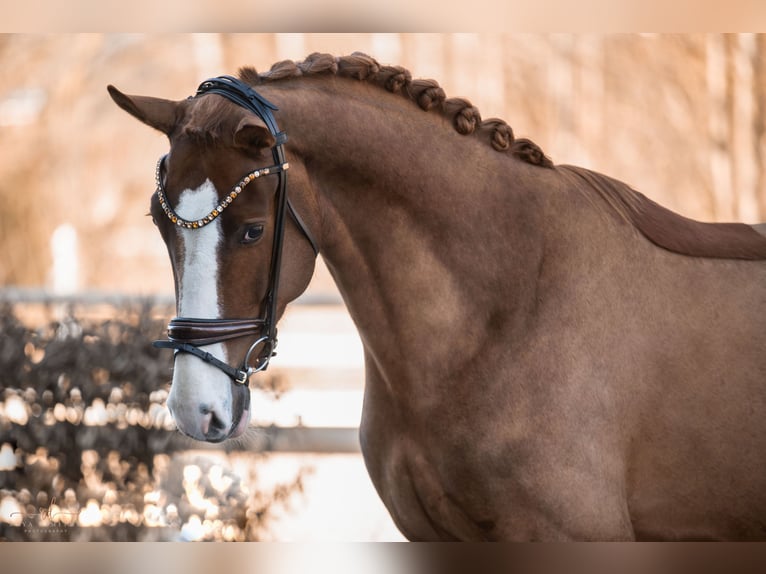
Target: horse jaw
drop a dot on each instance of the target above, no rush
(200, 398)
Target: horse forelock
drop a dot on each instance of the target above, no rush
(427, 94)
(209, 120)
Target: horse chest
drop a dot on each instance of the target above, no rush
(492, 480)
(419, 496)
(413, 465)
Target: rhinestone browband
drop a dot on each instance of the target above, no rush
(224, 203)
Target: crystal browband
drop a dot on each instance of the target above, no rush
(224, 203)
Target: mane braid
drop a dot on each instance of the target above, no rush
(427, 94)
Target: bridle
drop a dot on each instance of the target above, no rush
(187, 335)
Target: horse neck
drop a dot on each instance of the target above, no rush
(430, 236)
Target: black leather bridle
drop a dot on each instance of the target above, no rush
(187, 335)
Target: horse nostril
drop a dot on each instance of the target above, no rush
(211, 423)
(206, 419)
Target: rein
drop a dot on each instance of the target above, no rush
(187, 335)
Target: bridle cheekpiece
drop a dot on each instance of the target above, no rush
(187, 335)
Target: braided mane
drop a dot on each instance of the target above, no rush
(465, 117)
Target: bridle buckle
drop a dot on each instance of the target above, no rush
(265, 356)
(243, 376)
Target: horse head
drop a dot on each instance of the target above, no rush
(221, 208)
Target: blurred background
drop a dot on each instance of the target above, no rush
(87, 449)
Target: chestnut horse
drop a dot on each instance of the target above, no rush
(549, 354)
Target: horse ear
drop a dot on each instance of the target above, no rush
(155, 112)
(252, 134)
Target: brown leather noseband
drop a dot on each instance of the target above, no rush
(187, 335)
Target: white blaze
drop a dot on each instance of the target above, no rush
(198, 293)
(195, 382)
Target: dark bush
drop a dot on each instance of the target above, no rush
(89, 451)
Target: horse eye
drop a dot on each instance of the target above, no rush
(252, 233)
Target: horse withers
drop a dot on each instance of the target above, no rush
(549, 354)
